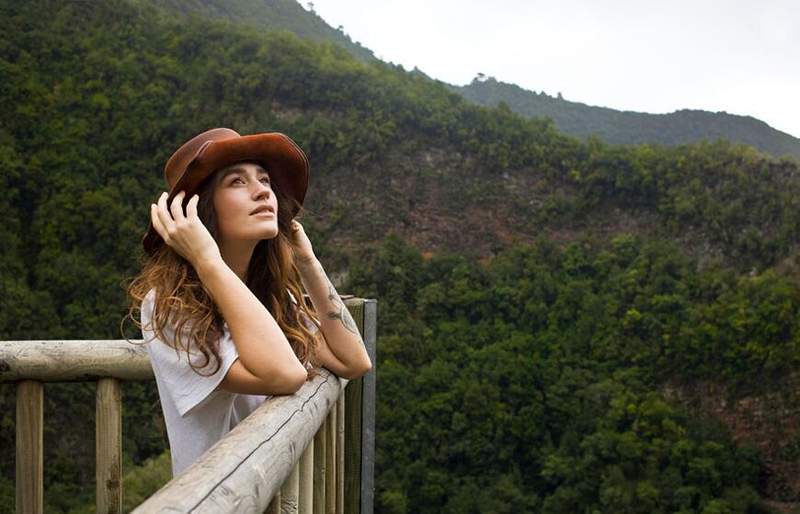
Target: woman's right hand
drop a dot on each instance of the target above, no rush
(185, 234)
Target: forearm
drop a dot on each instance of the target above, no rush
(337, 325)
(262, 346)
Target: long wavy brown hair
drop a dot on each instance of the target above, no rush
(185, 306)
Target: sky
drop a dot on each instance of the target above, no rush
(741, 57)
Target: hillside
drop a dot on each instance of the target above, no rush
(573, 118)
(269, 15)
(627, 127)
(538, 294)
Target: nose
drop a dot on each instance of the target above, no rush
(261, 191)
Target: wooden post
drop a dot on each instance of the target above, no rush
(305, 503)
(108, 446)
(369, 331)
(30, 447)
(274, 506)
(290, 491)
(319, 469)
(340, 454)
(360, 419)
(352, 444)
(330, 462)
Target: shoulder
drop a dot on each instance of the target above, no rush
(149, 300)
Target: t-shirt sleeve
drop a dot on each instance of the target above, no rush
(184, 386)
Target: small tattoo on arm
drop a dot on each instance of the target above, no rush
(342, 314)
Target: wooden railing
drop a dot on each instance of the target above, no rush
(311, 452)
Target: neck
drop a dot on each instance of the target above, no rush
(236, 255)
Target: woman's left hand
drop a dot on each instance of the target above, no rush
(301, 245)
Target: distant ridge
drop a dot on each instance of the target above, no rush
(573, 118)
(628, 127)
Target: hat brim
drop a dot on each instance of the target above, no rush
(277, 153)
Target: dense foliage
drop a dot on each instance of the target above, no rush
(533, 383)
(510, 385)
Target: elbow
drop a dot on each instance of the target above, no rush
(296, 379)
(366, 367)
(359, 370)
(290, 381)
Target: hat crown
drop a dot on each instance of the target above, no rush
(183, 156)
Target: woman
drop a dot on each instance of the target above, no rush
(221, 290)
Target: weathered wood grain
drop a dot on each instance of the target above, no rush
(274, 506)
(369, 334)
(73, 361)
(290, 491)
(108, 446)
(306, 497)
(340, 455)
(330, 462)
(359, 443)
(320, 441)
(244, 470)
(352, 442)
(30, 447)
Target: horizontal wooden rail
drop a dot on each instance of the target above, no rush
(73, 361)
(255, 466)
(244, 470)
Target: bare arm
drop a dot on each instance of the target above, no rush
(264, 352)
(343, 350)
(263, 348)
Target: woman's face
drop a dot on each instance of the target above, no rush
(245, 204)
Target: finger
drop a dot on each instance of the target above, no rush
(163, 213)
(191, 207)
(157, 222)
(176, 208)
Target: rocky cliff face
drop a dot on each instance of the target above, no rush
(767, 420)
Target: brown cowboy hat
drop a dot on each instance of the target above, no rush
(218, 148)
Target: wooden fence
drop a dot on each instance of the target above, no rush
(311, 452)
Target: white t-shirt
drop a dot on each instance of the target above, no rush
(196, 415)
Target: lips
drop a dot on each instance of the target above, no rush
(263, 208)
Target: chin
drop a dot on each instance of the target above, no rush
(254, 235)
(248, 231)
(268, 234)
(265, 231)
(258, 235)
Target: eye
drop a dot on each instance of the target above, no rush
(237, 179)
(265, 180)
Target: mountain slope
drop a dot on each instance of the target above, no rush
(627, 127)
(573, 118)
(270, 15)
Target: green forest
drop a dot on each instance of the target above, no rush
(550, 309)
